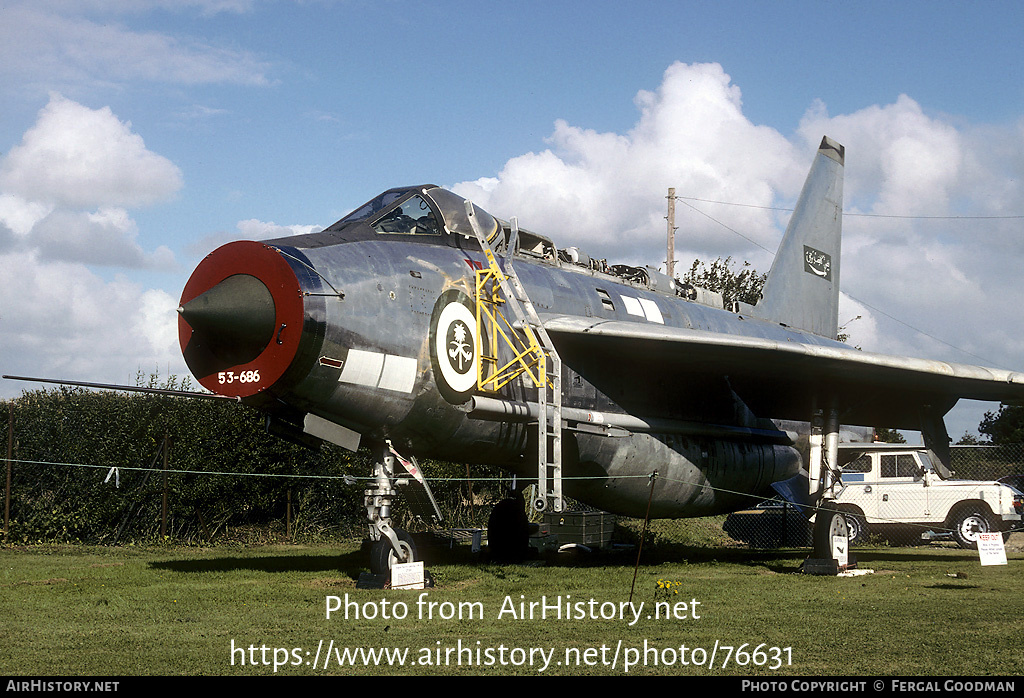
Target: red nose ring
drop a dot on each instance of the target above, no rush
(240, 319)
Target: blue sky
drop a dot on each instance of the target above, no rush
(207, 120)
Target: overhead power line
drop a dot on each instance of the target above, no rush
(712, 218)
(855, 215)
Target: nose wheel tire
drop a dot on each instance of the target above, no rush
(857, 526)
(383, 556)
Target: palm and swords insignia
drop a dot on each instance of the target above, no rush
(460, 346)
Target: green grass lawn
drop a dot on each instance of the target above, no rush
(180, 611)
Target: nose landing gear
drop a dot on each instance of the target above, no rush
(392, 546)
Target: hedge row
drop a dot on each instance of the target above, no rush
(67, 440)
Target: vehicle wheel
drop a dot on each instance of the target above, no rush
(828, 524)
(968, 523)
(508, 530)
(857, 525)
(383, 556)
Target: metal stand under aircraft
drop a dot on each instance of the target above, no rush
(508, 530)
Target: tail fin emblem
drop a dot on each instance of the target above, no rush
(818, 263)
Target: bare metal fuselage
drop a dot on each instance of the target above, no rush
(372, 331)
(365, 362)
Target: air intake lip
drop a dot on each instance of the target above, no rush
(240, 319)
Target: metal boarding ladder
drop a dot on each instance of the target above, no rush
(536, 358)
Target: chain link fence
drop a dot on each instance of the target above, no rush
(88, 467)
(902, 498)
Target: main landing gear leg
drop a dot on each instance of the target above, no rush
(831, 533)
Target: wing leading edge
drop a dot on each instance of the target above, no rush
(788, 379)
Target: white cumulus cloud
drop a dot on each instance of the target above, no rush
(926, 274)
(79, 157)
(65, 195)
(62, 320)
(65, 190)
(607, 191)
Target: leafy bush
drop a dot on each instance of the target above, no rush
(224, 472)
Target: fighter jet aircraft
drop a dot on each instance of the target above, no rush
(422, 326)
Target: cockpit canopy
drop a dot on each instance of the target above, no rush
(423, 210)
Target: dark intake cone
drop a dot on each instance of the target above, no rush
(234, 320)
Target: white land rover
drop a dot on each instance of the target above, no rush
(887, 486)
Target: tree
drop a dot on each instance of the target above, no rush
(889, 436)
(1005, 426)
(742, 285)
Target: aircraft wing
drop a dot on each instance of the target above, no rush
(786, 379)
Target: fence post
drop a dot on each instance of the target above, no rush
(640, 548)
(163, 508)
(10, 452)
(784, 537)
(469, 485)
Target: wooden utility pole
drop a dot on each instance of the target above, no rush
(671, 217)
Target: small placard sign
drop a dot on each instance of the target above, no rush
(841, 551)
(991, 549)
(407, 575)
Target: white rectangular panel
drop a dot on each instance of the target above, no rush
(399, 374)
(652, 311)
(362, 367)
(633, 306)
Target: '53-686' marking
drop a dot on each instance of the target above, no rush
(243, 377)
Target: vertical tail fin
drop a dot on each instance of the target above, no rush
(802, 289)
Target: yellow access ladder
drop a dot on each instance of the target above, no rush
(533, 357)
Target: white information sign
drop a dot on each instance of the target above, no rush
(407, 575)
(991, 549)
(841, 550)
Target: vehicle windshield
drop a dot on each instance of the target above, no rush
(934, 464)
(861, 464)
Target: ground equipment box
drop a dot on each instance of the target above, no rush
(590, 528)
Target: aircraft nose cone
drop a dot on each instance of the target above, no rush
(241, 319)
(237, 317)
